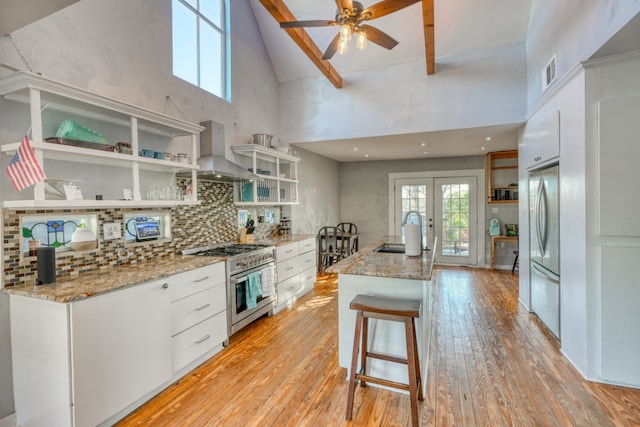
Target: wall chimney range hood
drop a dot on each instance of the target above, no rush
(214, 166)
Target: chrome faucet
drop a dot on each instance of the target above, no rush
(406, 218)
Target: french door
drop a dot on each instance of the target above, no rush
(449, 209)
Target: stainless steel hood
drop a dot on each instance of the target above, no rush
(214, 166)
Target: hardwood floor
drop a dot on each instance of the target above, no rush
(492, 365)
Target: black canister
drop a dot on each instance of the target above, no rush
(46, 266)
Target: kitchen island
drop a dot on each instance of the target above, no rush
(392, 275)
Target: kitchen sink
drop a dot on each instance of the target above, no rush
(393, 248)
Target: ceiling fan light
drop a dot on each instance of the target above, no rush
(345, 33)
(342, 46)
(361, 39)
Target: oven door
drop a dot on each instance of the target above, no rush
(241, 314)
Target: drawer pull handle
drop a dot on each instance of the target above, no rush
(165, 285)
(309, 277)
(201, 280)
(290, 268)
(203, 339)
(290, 288)
(203, 307)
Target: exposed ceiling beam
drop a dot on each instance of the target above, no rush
(429, 35)
(281, 13)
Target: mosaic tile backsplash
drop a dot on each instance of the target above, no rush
(213, 221)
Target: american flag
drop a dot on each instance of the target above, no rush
(24, 169)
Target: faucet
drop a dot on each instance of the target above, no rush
(406, 218)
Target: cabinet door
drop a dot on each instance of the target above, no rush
(307, 245)
(121, 349)
(541, 139)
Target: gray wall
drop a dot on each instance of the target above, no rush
(364, 188)
(319, 193)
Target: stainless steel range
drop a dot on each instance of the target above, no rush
(243, 260)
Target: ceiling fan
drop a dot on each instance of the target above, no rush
(351, 17)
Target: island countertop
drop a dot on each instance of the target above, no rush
(367, 262)
(75, 288)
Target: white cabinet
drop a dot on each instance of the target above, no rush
(198, 313)
(279, 185)
(296, 268)
(93, 360)
(44, 104)
(541, 140)
(120, 350)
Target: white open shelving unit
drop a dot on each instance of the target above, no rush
(279, 185)
(48, 100)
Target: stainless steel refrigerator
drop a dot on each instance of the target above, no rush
(544, 247)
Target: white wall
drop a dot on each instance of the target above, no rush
(572, 29)
(478, 89)
(122, 49)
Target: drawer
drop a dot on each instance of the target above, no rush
(307, 279)
(287, 251)
(198, 340)
(307, 260)
(306, 245)
(287, 268)
(195, 308)
(288, 289)
(182, 285)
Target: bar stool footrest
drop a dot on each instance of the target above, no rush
(381, 381)
(387, 358)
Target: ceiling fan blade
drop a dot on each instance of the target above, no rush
(332, 48)
(344, 4)
(386, 7)
(296, 24)
(379, 37)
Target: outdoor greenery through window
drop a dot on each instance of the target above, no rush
(201, 44)
(455, 219)
(414, 198)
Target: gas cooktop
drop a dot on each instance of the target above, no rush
(227, 249)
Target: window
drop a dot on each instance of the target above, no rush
(53, 231)
(201, 44)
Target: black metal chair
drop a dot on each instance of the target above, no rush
(331, 245)
(515, 262)
(351, 230)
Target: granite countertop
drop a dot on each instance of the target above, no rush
(366, 262)
(69, 289)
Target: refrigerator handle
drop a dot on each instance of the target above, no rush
(539, 218)
(544, 217)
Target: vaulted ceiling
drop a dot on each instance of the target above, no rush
(460, 26)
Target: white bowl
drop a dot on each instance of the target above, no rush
(284, 150)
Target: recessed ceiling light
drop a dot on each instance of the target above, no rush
(426, 152)
(355, 148)
(366, 155)
(482, 148)
(423, 144)
(488, 138)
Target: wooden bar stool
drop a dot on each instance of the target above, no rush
(398, 310)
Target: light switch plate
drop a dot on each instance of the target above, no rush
(112, 230)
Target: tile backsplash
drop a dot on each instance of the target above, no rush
(213, 221)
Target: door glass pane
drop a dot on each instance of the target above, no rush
(414, 198)
(455, 220)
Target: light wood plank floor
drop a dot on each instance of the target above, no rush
(491, 365)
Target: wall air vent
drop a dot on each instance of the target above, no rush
(549, 73)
